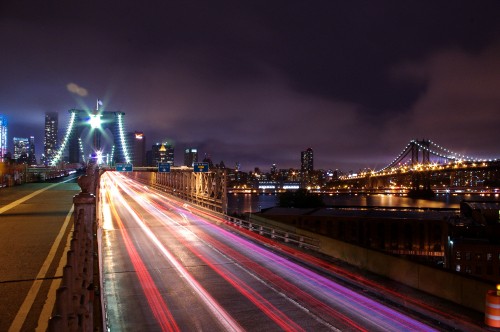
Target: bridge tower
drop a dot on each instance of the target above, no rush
(421, 182)
(420, 148)
(97, 121)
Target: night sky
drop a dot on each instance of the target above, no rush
(257, 82)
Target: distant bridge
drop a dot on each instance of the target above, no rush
(422, 165)
(419, 154)
(425, 165)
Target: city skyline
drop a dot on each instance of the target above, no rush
(50, 141)
(258, 82)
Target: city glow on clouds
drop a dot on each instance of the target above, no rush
(258, 82)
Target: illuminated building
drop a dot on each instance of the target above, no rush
(307, 161)
(162, 153)
(190, 157)
(274, 169)
(138, 148)
(21, 149)
(50, 139)
(31, 151)
(3, 137)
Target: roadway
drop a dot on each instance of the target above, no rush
(35, 221)
(167, 267)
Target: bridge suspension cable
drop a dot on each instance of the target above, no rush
(64, 143)
(123, 142)
(448, 154)
(430, 148)
(80, 119)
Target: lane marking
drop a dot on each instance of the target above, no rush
(25, 308)
(25, 198)
(48, 307)
(219, 312)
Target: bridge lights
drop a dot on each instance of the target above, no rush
(58, 156)
(122, 137)
(99, 157)
(95, 121)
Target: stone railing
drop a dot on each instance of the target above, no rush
(75, 298)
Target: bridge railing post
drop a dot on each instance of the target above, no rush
(74, 300)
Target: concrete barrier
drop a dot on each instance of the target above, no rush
(457, 288)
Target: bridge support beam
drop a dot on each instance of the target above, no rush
(208, 190)
(417, 151)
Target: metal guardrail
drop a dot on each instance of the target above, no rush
(206, 190)
(273, 233)
(276, 234)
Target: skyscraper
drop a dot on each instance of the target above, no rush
(3, 137)
(31, 151)
(306, 161)
(190, 157)
(21, 149)
(138, 147)
(162, 153)
(50, 145)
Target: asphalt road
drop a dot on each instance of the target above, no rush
(34, 227)
(166, 268)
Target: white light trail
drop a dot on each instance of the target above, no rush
(224, 318)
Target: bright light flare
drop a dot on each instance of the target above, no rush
(100, 157)
(95, 121)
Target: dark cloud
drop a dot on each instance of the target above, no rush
(256, 82)
(461, 104)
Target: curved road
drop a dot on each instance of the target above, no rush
(166, 268)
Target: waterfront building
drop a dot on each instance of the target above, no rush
(474, 240)
(190, 157)
(21, 149)
(269, 186)
(273, 186)
(50, 142)
(416, 234)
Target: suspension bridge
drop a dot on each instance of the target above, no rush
(424, 166)
(95, 124)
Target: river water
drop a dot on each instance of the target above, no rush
(242, 203)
